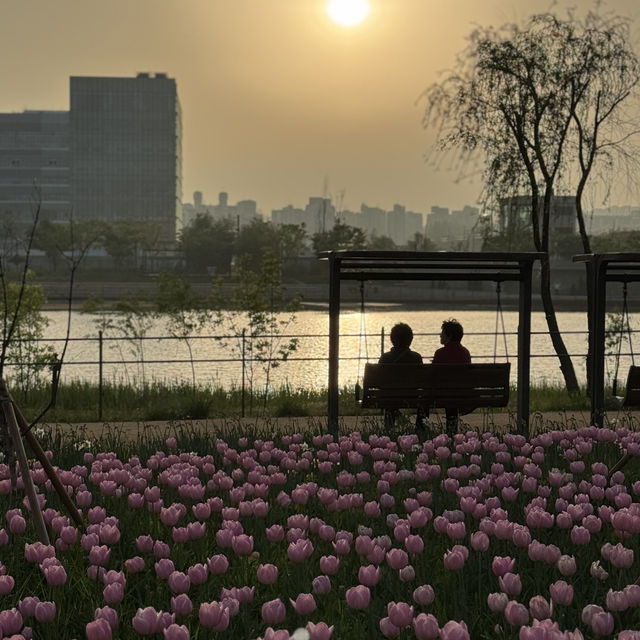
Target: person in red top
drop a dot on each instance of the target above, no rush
(452, 352)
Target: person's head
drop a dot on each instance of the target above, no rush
(401, 335)
(451, 330)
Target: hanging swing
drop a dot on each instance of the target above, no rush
(362, 334)
(631, 397)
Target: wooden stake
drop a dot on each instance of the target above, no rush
(46, 465)
(16, 438)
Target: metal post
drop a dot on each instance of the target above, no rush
(599, 270)
(382, 341)
(334, 342)
(244, 346)
(524, 346)
(100, 372)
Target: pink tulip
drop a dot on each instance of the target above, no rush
(426, 627)
(561, 592)
(321, 585)
(176, 632)
(113, 593)
(214, 615)
(181, 604)
(198, 573)
(55, 575)
(388, 629)
(267, 573)
(98, 630)
(179, 582)
(397, 558)
(146, 621)
(242, 544)
(539, 608)
(497, 601)
(218, 564)
(6, 585)
(479, 541)
(454, 559)
(414, 544)
(273, 611)
(275, 533)
(400, 614)
(516, 613)
(144, 544)
(319, 631)
(602, 623)
(510, 584)
(99, 555)
(358, 597)
(17, 525)
(27, 606)
(424, 595)
(304, 604)
(329, 565)
(453, 630)
(45, 611)
(369, 575)
(164, 568)
(134, 565)
(617, 600)
(108, 614)
(501, 565)
(10, 621)
(566, 565)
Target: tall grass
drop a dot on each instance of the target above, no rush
(79, 402)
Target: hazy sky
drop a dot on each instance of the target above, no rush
(277, 100)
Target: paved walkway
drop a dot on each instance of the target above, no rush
(477, 421)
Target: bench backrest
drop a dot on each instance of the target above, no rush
(389, 386)
(632, 393)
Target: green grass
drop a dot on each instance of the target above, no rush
(80, 402)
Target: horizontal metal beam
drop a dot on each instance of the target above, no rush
(426, 276)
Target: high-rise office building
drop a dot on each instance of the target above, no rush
(126, 161)
(34, 165)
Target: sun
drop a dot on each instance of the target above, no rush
(348, 13)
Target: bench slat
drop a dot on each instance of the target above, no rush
(394, 386)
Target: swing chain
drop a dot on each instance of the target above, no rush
(500, 317)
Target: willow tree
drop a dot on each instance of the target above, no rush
(535, 106)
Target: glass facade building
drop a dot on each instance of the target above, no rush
(126, 151)
(35, 165)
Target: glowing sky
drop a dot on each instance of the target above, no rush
(277, 99)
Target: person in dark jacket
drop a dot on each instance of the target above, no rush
(401, 353)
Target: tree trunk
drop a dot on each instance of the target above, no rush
(566, 365)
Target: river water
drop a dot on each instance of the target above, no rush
(220, 364)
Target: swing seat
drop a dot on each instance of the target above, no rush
(456, 386)
(631, 396)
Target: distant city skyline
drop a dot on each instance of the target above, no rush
(279, 102)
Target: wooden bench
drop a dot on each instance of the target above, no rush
(631, 396)
(456, 386)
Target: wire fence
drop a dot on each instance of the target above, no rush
(233, 358)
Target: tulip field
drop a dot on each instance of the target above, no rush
(310, 536)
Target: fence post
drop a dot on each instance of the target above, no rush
(382, 341)
(100, 375)
(244, 338)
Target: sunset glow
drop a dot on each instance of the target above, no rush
(348, 13)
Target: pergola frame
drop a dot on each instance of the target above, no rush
(439, 266)
(603, 268)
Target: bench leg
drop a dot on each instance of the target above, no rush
(452, 421)
(390, 416)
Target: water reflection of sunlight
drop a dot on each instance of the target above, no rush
(313, 373)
